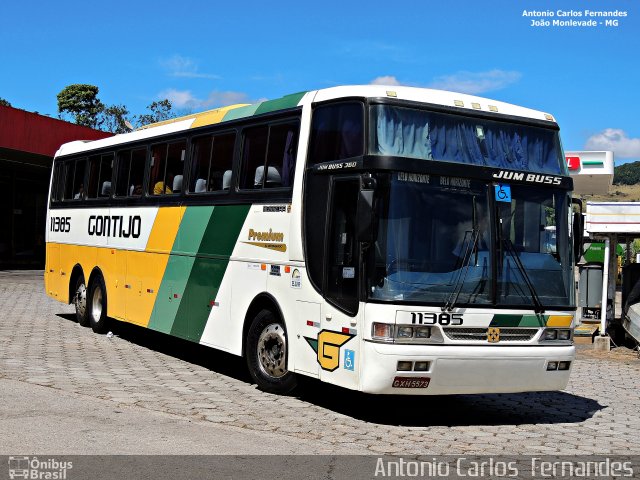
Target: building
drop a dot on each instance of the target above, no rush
(28, 142)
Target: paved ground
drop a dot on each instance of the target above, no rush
(66, 390)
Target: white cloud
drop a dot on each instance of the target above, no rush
(218, 99)
(464, 82)
(179, 98)
(184, 99)
(476, 82)
(385, 80)
(614, 139)
(179, 66)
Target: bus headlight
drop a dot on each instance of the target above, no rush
(564, 334)
(555, 334)
(405, 332)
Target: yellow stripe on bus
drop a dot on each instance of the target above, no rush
(559, 321)
(165, 229)
(146, 269)
(213, 116)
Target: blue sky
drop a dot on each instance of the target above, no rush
(206, 54)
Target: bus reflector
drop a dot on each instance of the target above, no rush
(458, 103)
(493, 108)
(287, 269)
(263, 266)
(309, 323)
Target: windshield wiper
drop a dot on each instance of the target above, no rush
(539, 308)
(471, 246)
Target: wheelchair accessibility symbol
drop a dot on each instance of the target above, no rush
(503, 193)
(349, 360)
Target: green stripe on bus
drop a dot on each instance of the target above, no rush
(179, 267)
(283, 103)
(511, 320)
(218, 242)
(240, 112)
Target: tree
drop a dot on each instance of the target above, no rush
(160, 111)
(81, 102)
(114, 119)
(4, 103)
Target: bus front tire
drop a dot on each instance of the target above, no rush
(267, 353)
(97, 306)
(80, 302)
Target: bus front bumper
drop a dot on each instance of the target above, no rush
(453, 369)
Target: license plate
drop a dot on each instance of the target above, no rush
(411, 382)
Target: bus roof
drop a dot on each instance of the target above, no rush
(234, 112)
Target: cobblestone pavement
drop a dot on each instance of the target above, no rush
(40, 344)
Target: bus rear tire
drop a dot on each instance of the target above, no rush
(97, 306)
(267, 353)
(80, 302)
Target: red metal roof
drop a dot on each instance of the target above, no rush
(29, 132)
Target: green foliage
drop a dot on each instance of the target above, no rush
(80, 101)
(4, 103)
(158, 112)
(114, 118)
(627, 174)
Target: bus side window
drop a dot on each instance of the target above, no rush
(166, 168)
(337, 132)
(99, 184)
(74, 179)
(122, 173)
(200, 161)
(222, 162)
(254, 151)
(281, 155)
(104, 180)
(136, 173)
(57, 184)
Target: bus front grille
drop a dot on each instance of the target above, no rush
(480, 334)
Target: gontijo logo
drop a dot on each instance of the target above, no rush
(327, 348)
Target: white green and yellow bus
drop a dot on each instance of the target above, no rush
(390, 240)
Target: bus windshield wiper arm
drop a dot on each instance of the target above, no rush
(471, 246)
(539, 308)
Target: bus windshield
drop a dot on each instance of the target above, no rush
(435, 238)
(416, 133)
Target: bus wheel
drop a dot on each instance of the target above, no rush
(97, 306)
(267, 354)
(80, 302)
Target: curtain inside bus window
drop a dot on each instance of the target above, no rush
(337, 132)
(403, 132)
(428, 135)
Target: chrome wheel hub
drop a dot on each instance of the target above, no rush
(272, 349)
(96, 305)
